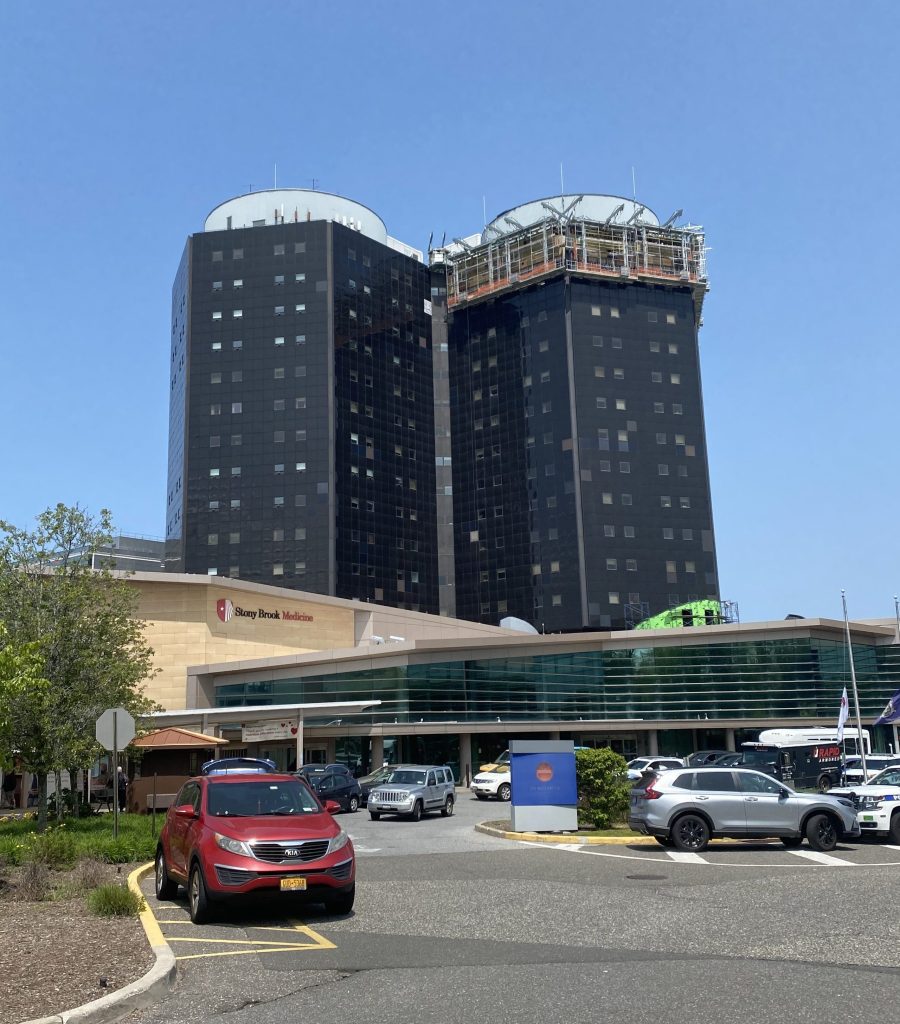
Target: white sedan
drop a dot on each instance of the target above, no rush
(492, 784)
(639, 765)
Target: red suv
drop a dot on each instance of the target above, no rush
(244, 831)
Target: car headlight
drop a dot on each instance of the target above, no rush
(869, 803)
(233, 845)
(339, 842)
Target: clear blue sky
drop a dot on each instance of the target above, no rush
(772, 124)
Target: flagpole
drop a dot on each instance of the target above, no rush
(859, 732)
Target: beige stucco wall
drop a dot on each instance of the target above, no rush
(183, 629)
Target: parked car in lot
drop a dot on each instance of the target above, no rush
(494, 783)
(368, 782)
(702, 757)
(877, 803)
(875, 764)
(687, 808)
(730, 760)
(334, 782)
(241, 832)
(639, 765)
(412, 791)
(502, 760)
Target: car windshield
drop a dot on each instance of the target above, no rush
(759, 757)
(406, 778)
(254, 799)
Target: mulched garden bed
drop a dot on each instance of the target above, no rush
(53, 953)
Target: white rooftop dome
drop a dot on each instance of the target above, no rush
(287, 205)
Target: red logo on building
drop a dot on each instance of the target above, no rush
(224, 609)
(544, 772)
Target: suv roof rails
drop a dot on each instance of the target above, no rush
(237, 765)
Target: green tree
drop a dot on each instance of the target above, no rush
(603, 789)
(80, 623)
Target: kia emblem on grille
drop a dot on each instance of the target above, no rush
(292, 851)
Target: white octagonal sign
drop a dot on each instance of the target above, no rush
(115, 720)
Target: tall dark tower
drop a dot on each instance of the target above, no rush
(301, 439)
(581, 493)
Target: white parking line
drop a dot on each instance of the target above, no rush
(885, 846)
(682, 857)
(822, 858)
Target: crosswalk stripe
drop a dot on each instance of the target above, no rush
(683, 857)
(822, 858)
(886, 846)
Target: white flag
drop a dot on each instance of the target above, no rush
(843, 714)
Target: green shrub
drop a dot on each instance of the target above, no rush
(603, 790)
(56, 847)
(113, 900)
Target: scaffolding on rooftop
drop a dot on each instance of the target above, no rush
(674, 256)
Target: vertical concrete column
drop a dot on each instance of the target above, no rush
(377, 753)
(729, 739)
(465, 759)
(554, 734)
(652, 742)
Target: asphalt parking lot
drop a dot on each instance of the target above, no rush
(451, 925)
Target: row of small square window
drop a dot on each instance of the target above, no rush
(659, 408)
(237, 376)
(237, 408)
(299, 500)
(299, 467)
(369, 570)
(604, 466)
(235, 537)
(237, 314)
(237, 344)
(652, 314)
(238, 254)
(619, 374)
(277, 570)
(215, 440)
(606, 498)
(238, 282)
(402, 543)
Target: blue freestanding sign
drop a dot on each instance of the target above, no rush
(544, 791)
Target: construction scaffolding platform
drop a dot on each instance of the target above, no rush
(565, 243)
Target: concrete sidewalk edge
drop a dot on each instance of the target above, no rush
(571, 838)
(140, 994)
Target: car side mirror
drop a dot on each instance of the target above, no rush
(783, 794)
(332, 806)
(185, 811)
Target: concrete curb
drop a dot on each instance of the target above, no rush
(571, 838)
(139, 994)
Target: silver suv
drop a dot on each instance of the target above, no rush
(412, 791)
(687, 808)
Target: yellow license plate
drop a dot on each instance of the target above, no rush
(293, 883)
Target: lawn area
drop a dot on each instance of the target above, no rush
(63, 845)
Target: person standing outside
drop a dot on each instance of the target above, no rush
(122, 787)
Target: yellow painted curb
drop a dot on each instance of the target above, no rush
(148, 920)
(571, 839)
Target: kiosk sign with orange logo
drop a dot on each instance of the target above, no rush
(544, 791)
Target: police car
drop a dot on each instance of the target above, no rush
(877, 804)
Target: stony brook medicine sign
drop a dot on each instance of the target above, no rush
(227, 610)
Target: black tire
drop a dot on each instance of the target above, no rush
(353, 804)
(894, 829)
(504, 792)
(822, 833)
(690, 833)
(792, 842)
(198, 900)
(166, 889)
(823, 784)
(664, 841)
(374, 815)
(340, 903)
(447, 809)
(417, 811)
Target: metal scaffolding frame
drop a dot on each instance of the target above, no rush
(562, 242)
